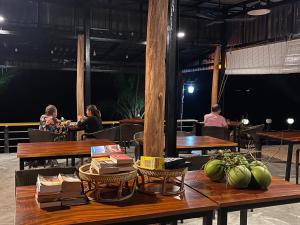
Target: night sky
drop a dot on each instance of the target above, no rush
(258, 97)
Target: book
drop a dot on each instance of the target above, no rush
(51, 197)
(126, 168)
(48, 184)
(107, 150)
(103, 170)
(75, 201)
(70, 183)
(174, 163)
(152, 163)
(121, 159)
(43, 205)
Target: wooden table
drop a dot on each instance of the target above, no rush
(230, 199)
(57, 150)
(202, 142)
(289, 137)
(140, 209)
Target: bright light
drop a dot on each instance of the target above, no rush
(258, 12)
(290, 121)
(245, 121)
(191, 89)
(268, 121)
(1, 19)
(180, 34)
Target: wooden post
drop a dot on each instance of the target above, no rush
(80, 78)
(155, 83)
(215, 80)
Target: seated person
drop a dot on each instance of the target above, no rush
(49, 121)
(214, 119)
(92, 123)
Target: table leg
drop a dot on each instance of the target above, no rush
(243, 217)
(22, 162)
(208, 218)
(73, 161)
(222, 217)
(289, 162)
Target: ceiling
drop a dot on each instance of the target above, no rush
(41, 34)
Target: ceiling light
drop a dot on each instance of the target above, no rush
(268, 121)
(180, 34)
(2, 19)
(259, 12)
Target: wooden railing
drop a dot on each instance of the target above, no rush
(13, 133)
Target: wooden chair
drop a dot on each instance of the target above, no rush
(216, 132)
(112, 134)
(29, 177)
(127, 132)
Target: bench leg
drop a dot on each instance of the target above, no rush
(22, 162)
(208, 219)
(243, 217)
(222, 217)
(297, 166)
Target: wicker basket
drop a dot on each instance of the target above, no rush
(166, 181)
(118, 183)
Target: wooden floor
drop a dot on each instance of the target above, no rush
(266, 216)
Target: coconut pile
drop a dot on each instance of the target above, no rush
(238, 170)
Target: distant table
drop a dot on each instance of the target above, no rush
(132, 121)
(140, 209)
(230, 199)
(57, 150)
(289, 137)
(202, 142)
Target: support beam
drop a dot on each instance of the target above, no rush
(80, 78)
(171, 88)
(215, 80)
(87, 52)
(155, 82)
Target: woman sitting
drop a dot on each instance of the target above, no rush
(92, 123)
(49, 121)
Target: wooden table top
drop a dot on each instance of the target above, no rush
(140, 206)
(133, 120)
(289, 136)
(61, 148)
(201, 142)
(226, 196)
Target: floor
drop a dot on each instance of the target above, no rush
(279, 215)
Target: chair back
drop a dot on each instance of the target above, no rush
(36, 135)
(29, 177)
(112, 134)
(127, 131)
(216, 132)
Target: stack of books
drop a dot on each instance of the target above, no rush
(107, 150)
(159, 163)
(61, 190)
(71, 190)
(111, 163)
(48, 191)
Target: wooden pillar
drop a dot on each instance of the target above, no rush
(87, 52)
(215, 80)
(80, 78)
(155, 82)
(171, 80)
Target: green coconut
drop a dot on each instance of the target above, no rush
(257, 163)
(261, 177)
(239, 176)
(215, 170)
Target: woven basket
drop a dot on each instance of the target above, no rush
(117, 181)
(163, 179)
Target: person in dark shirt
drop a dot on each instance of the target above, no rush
(92, 123)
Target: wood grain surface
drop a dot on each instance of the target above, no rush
(62, 148)
(225, 195)
(202, 142)
(139, 207)
(289, 136)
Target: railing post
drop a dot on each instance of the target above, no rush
(6, 142)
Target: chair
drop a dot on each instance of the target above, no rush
(216, 132)
(112, 134)
(248, 135)
(29, 177)
(36, 135)
(138, 144)
(127, 132)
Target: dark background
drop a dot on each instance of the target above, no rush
(257, 97)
